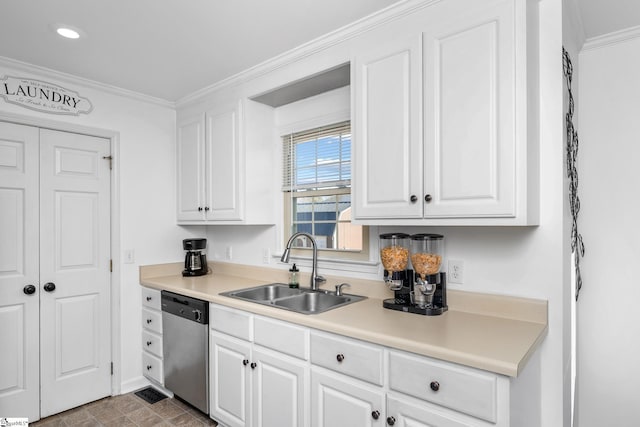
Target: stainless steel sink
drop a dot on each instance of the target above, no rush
(300, 300)
(270, 292)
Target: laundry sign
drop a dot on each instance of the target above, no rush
(43, 96)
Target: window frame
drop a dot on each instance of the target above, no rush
(291, 193)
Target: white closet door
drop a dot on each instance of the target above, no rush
(19, 265)
(75, 256)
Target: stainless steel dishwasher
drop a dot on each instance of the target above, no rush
(185, 346)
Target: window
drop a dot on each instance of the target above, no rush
(317, 187)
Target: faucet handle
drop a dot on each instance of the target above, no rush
(339, 288)
(320, 279)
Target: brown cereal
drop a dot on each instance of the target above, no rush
(394, 258)
(425, 263)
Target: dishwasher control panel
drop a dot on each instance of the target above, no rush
(183, 306)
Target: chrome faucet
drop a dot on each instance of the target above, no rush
(315, 278)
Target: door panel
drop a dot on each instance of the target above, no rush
(75, 255)
(19, 264)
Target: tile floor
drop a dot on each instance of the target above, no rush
(129, 410)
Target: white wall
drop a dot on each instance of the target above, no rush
(608, 316)
(146, 167)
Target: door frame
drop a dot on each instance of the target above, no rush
(115, 283)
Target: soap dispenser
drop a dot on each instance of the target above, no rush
(293, 277)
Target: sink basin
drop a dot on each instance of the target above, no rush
(268, 292)
(300, 300)
(315, 302)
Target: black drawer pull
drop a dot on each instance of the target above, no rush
(340, 357)
(435, 385)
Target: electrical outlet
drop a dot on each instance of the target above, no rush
(455, 273)
(229, 253)
(266, 256)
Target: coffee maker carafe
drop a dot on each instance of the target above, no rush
(195, 262)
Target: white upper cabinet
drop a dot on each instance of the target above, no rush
(445, 120)
(224, 170)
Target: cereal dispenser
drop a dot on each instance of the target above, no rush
(420, 290)
(429, 287)
(394, 254)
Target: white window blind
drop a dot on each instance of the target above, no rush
(318, 158)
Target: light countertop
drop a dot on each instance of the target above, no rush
(490, 332)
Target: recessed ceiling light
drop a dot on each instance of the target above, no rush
(68, 32)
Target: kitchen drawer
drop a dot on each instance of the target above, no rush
(230, 321)
(348, 356)
(280, 336)
(152, 342)
(151, 298)
(152, 367)
(465, 390)
(152, 320)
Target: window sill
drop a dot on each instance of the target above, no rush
(336, 265)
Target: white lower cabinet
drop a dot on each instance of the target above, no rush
(152, 336)
(250, 384)
(402, 411)
(270, 373)
(342, 401)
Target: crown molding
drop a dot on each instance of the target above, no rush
(312, 47)
(612, 38)
(76, 80)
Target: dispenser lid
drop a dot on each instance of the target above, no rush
(294, 268)
(394, 236)
(427, 236)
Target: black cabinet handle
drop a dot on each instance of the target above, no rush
(413, 198)
(340, 357)
(49, 287)
(148, 343)
(375, 415)
(427, 198)
(206, 208)
(199, 208)
(148, 321)
(253, 365)
(245, 362)
(435, 385)
(148, 367)
(148, 298)
(391, 421)
(29, 289)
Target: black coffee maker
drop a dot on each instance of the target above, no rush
(195, 262)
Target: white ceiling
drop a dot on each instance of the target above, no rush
(170, 48)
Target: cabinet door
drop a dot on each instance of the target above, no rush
(279, 390)
(229, 382)
(341, 401)
(190, 169)
(469, 107)
(387, 146)
(223, 164)
(402, 413)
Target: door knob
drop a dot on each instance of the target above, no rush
(413, 198)
(29, 289)
(391, 421)
(49, 287)
(375, 415)
(253, 365)
(428, 198)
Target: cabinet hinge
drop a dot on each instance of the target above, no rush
(111, 368)
(110, 158)
(111, 266)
